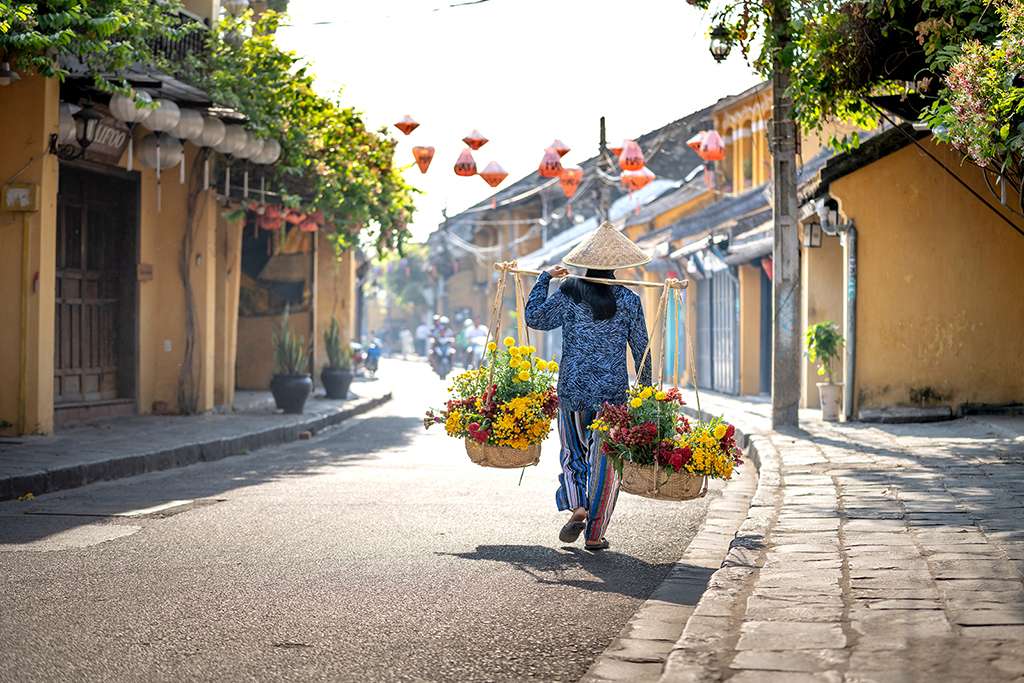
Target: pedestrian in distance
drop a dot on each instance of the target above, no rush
(598, 321)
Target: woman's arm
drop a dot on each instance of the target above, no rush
(638, 341)
(544, 312)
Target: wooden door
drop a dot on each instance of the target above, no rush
(94, 349)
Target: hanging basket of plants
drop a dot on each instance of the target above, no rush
(503, 409)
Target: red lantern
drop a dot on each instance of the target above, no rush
(560, 147)
(616, 151)
(493, 174)
(711, 147)
(694, 142)
(317, 217)
(475, 140)
(308, 226)
(570, 180)
(637, 180)
(267, 222)
(272, 211)
(423, 157)
(632, 158)
(465, 165)
(294, 216)
(550, 164)
(407, 124)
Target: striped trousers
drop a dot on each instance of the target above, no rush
(588, 479)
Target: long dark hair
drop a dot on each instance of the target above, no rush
(598, 295)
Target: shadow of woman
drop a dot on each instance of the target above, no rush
(609, 571)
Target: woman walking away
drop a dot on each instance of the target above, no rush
(597, 322)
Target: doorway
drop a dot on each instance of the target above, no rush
(95, 330)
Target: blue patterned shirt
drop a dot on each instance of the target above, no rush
(593, 366)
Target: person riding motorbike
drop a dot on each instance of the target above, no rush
(442, 347)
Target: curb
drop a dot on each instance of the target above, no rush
(644, 648)
(74, 476)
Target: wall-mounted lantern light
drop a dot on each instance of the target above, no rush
(87, 121)
(721, 43)
(811, 237)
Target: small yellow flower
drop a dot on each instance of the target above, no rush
(491, 346)
(514, 362)
(636, 403)
(646, 393)
(720, 431)
(542, 364)
(532, 349)
(553, 366)
(660, 396)
(524, 375)
(510, 342)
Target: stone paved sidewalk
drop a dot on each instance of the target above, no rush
(870, 553)
(125, 447)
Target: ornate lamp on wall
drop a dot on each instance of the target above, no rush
(86, 120)
(721, 45)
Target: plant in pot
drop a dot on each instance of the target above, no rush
(337, 374)
(824, 342)
(291, 384)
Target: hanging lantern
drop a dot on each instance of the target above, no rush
(631, 158)
(235, 7)
(213, 132)
(308, 226)
(637, 180)
(407, 124)
(560, 147)
(160, 150)
(475, 140)
(235, 139)
(423, 157)
(465, 165)
(130, 108)
(711, 147)
(570, 180)
(295, 217)
(68, 131)
(493, 174)
(164, 117)
(550, 164)
(270, 153)
(695, 142)
(190, 126)
(273, 211)
(268, 222)
(616, 151)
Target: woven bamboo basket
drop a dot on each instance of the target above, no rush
(486, 455)
(654, 482)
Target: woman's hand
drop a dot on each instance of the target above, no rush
(558, 271)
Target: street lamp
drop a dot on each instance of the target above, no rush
(721, 44)
(87, 121)
(811, 238)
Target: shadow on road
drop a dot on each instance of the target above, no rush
(612, 572)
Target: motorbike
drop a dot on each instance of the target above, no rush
(443, 356)
(373, 354)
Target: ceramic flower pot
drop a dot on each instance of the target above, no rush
(336, 382)
(291, 391)
(831, 397)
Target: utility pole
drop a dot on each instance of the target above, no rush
(786, 249)
(602, 188)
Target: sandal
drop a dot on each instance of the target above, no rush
(603, 545)
(571, 531)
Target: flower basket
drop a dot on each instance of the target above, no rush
(502, 456)
(656, 450)
(503, 410)
(651, 481)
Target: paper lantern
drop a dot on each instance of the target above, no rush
(164, 117)
(712, 148)
(295, 217)
(465, 165)
(475, 140)
(213, 132)
(272, 210)
(68, 131)
(190, 126)
(160, 150)
(493, 174)
(407, 124)
(631, 158)
(570, 180)
(560, 147)
(616, 151)
(694, 142)
(423, 157)
(637, 180)
(235, 138)
(270, 153)
(130, 108)
(253, 147)
(268, 222)
(550, 164)
(235, 7)
(308, 226)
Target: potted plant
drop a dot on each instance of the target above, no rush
(337, 374)
(291, 384)
(823, 344)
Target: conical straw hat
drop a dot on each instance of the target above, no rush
(606, 249)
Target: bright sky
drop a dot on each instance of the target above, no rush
(523, 72)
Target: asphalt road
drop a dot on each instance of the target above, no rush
(375, 551)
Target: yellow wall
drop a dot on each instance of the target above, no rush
(940, 296)
(27, 116)
(335, 296)
(255, 363)
(750, 329)
(821, 297)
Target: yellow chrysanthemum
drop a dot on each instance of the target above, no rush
(524, 375)
(509, 341)
(720, 431)
(636, 403)
(553, 366)
(491, 346)
(646, 393)
(514, 362)
(542, 364)
(660, 396)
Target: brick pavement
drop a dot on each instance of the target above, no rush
(870, 553)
